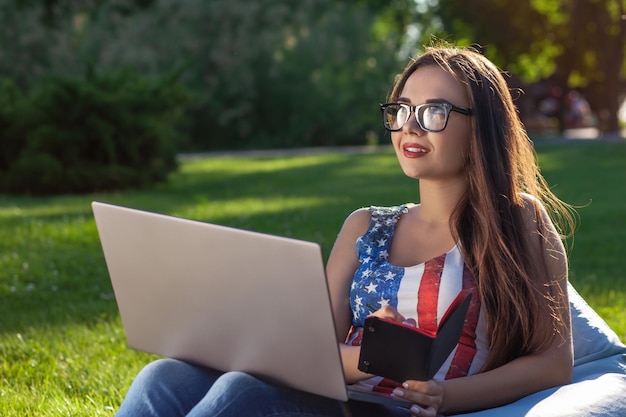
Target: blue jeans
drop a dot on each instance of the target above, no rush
(174, 388)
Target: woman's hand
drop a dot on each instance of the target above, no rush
(427, 396)
(390, 313)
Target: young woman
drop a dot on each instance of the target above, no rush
(483, 224)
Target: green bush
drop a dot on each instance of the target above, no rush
(316, 81)
(108, 131)
(265, 74)
(10, 98)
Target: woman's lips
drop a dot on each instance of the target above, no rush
(413, 150)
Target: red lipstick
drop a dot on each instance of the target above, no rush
(413, 150)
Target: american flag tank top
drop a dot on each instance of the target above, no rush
(422, 292)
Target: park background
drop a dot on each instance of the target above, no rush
(152, 103)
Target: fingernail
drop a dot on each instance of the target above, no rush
(415, 409)
(398, 392)
(405, 385)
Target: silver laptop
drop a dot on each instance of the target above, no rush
(225, 298)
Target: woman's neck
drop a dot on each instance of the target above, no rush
(439, 199)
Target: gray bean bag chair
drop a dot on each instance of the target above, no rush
(598, 387)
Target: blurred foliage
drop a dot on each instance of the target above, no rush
(265, 73)
(108, 131)
(281, 75)
(572, 43)
(296, 73)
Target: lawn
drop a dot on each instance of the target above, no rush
(62, 347)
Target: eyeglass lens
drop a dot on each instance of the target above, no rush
(432, 117)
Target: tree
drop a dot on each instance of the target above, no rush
(580, 43)
(268, 73)
(598, 53)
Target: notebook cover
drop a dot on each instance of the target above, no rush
(401, 352)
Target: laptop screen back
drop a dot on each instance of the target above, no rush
(224, 298)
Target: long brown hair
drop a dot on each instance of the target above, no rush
(501, 167)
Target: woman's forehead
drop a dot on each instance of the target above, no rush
(431, 83)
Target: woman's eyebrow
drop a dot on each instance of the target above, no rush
(437, 100)
(430, 100)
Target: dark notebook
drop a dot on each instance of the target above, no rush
(401, 352)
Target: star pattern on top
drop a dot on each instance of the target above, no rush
(376, 282)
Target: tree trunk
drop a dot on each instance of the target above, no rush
(609, 53)
(613, 60)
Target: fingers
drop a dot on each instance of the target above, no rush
(416, 410)
(410, 322)
(427, 396)
(389, 313)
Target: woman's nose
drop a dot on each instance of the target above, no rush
(412, 125)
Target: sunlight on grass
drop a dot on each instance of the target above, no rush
(256, 164)
(245, 207)
(62, 345)
(65, 370)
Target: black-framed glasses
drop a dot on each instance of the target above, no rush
(432, 117)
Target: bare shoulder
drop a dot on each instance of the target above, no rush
(358, 220)
(534, 214)
(544, 239)
(531, 203)
(355, 226)
(539, 227)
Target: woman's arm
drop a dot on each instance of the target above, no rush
(340, 268)
(514, 380)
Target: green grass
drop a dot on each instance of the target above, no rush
(62, 347)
